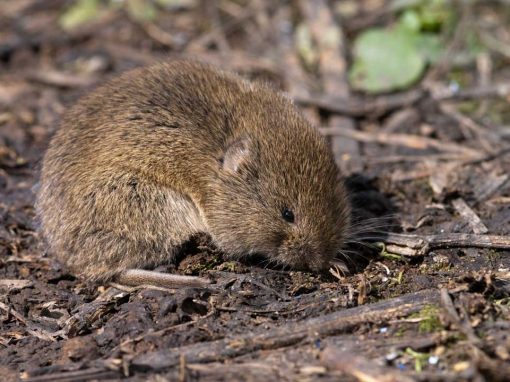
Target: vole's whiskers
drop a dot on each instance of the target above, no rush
(361, 238)
(345, 257)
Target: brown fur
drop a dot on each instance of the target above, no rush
(165, 152)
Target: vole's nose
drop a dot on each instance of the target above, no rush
(309, 256)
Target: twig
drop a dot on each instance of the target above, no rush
(463, 325)
(484, 67)
(488, 157)
(413, 141)
(380, 105)
(61, 79)
(439, 92)
(159, 35)
(361, 107)
(412, 158)
(72, 376)
(414, 245)
(182, 369)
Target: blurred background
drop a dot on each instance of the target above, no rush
(340, 60)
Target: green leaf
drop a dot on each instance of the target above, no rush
(386, 60)
(410, 20)
(79, 13)
(429, 45)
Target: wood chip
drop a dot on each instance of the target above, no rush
(15, 285)
(469, 216)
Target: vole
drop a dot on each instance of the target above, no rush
(161, 153)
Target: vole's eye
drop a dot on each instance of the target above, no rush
(287, 215)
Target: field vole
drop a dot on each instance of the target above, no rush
(162, 153)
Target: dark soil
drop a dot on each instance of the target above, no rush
(388, 316)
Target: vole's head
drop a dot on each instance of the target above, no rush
(277, 193)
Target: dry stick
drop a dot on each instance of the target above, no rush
(412, 158)
(292, 334)
(469, 216)
(463, 325)
(499, 90)
(360, 107)
(489, 157)
(407, 140)
(360, 367)
(414, 245)
(159, 35)
(61, 79)
(182, 369)
(379, 105)
(484, 67)
(71, 376)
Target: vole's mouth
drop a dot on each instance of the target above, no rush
(305, 261)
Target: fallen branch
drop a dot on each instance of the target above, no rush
(298, 333)
(71, 376)
(380, 105)
(407, 140)
(360, 107)
(415, 245)
(61, 79)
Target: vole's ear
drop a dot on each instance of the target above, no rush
(238, 154)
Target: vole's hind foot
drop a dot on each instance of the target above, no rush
(137, 277)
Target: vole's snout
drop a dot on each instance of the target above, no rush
(305, 255)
